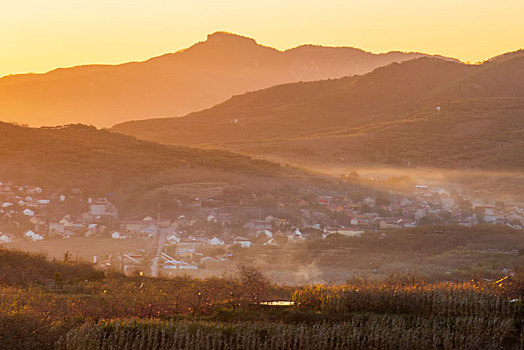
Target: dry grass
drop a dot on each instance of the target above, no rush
(80, 248)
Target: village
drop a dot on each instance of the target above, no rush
(208, 228)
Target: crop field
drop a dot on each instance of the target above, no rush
(65, 305)
(361, 332)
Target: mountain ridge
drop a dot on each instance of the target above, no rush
(173, 84)
(305, 116)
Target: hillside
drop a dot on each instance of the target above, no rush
(25, 269)
(174, 84)
(99, 162)
(388, 116)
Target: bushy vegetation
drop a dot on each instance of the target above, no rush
(23, 269)
(442, 299)
(41, 299)
(64, 307)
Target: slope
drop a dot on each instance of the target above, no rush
(386, 116)
(99, 162)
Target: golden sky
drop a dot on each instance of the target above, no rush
(39, 35)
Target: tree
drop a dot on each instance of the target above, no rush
(255, 284)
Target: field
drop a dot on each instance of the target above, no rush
(70, 305)
(361, 332)
(430, 253)
(80, 248)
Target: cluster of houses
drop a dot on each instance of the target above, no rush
(187, 237)
(437, 205)
(18, 205)
(32, 214)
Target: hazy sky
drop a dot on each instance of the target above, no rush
(39, 35)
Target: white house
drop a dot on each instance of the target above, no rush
(37, 237)
(268, 233)
(296, 236)
(350, 233)
(271, 242)
(173, 239)
(5, 239)
(34, 190)
(243, 242)
(215, 241)
(33, 236)
(117, 235)
(28, 212)
(212, 218)
(66, 221)
(368, 201)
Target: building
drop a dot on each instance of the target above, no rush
(56, 228)
(102, 207)
(243, 242)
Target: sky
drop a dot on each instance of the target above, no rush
(40, 35)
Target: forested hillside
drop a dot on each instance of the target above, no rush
(425, 112)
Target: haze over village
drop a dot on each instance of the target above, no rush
(257, 175)
(207, 230)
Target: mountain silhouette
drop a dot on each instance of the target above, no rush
(174, 84)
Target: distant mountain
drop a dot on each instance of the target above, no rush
(174, 84)
(507, 56)
(424, 112)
